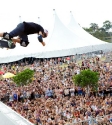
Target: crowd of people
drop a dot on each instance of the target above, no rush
(53, 99)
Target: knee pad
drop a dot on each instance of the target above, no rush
(24, 43)
(7, 36)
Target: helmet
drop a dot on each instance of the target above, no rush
(46, 32)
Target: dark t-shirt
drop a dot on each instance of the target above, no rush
(31, 28)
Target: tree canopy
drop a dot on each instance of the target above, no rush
(87, 78)
(103, 33)
(24, 77)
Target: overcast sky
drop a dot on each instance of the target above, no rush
(84, 11)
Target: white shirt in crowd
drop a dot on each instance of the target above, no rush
(78, 71)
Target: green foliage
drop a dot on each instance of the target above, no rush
(107, 25)
(87, 78)
(24, 77)
(102, 33)
(94, 26)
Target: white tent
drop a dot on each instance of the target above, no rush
(79, 31)
(61, 42)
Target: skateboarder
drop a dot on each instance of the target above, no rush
(22, 31)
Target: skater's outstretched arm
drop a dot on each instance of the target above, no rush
(41, 39)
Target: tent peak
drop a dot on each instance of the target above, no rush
(20, 19)
(54, 11)
(71, 13)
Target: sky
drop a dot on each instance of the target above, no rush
(84, 12)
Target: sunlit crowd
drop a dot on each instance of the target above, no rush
(53, 99)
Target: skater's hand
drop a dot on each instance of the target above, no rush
(43, 43)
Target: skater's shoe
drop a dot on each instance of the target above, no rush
(7, 36)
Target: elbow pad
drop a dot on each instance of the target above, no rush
(40, 38)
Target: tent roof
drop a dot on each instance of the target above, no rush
(79, 31)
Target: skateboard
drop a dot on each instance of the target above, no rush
(4, 44)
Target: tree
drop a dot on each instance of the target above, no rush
(89, 30)
(107, 25)
(24, 77)
(102, 29)
(94, 27)
(102, 33)
(87, 78)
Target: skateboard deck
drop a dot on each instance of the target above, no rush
(4, 44)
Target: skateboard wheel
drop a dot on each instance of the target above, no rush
(13, 45)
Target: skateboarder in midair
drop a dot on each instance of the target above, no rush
(22, 31)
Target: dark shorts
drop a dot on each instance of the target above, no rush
(19, 31)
